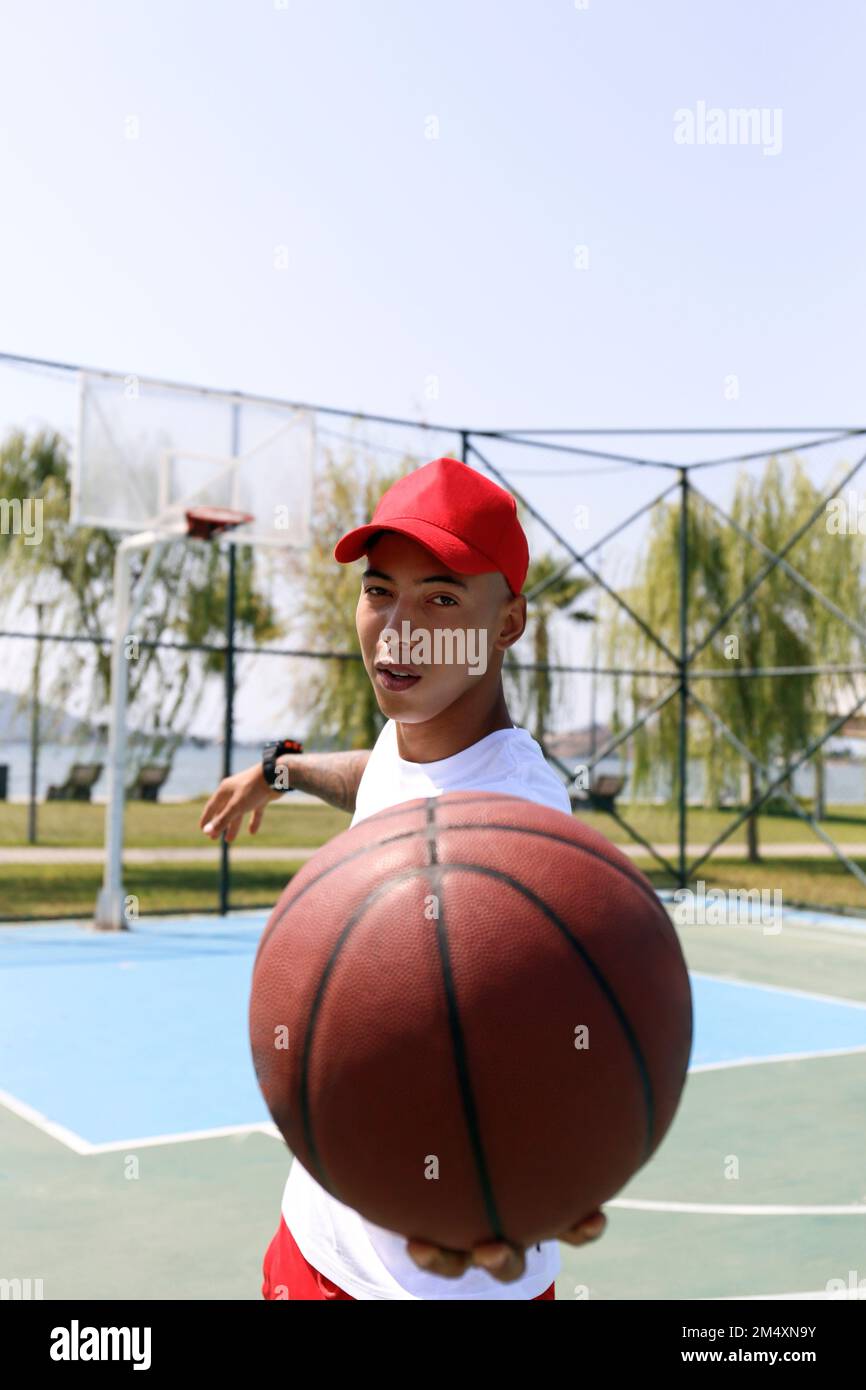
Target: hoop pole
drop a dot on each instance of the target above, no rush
(110, 912)
(225, 867)
(34, 731)
(229, 726)
(683, 729)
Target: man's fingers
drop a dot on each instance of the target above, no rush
(210, 812)
(590, 1228)
(450, 1264)
(256, 819)
(503, 1261)
(215, 826)
(232, 827)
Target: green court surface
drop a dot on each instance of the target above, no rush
(782, 1104)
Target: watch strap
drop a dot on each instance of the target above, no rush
(272, 752)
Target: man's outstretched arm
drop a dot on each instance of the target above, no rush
(332, 776)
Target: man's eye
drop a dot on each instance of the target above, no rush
(449, 600)
(374, 589)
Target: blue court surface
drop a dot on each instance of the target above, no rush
(140, 1035)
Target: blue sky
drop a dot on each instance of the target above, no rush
(305, 127)
(408, 258)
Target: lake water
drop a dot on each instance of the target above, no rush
(198, 771)
(194, 772)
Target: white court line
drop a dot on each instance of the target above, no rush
(156, 1140)
(826, 937)
(35, 1117)
(780, 989)
(80, 1145)
(84, 1147)
(779, 1057)
(811, 1294)
(730, 1209)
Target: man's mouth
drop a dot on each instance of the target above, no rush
(396, 677)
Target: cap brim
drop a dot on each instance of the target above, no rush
(457, 555)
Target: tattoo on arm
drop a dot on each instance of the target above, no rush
(332, 776)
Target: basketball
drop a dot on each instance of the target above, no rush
(470, 1019)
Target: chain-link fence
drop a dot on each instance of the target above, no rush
(596, 503)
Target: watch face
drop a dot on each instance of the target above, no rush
(272, 751)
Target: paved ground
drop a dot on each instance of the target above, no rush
(208, 854)
(137, 1160)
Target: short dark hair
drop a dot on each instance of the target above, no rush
(374, 536)
(372, 539)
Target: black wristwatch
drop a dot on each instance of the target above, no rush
(271, 752)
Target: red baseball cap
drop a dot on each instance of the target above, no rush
(464, 518)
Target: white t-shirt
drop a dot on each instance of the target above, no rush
(365, 1260)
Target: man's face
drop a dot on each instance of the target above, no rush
(457, 625)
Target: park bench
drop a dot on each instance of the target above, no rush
(150, 778)
(603, 790)
(79, 783)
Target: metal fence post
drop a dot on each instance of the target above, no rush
(229, 725)
(34, 730)
(683, 749)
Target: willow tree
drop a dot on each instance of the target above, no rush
(551, 593)
(339, 697)
(780, 625)
(70, 570)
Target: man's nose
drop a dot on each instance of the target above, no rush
(400, 628)
(403, 608)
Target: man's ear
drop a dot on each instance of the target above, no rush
(514, 624)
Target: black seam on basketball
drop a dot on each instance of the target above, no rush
(484, 797)
(306, 1121)
(405, 875)
(458, 1042)
(647, 891)
(599, 977)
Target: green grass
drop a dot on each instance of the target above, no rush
(825, 884)
(66, 824)
(46, 890)
(660, 825)
(70, 890)
(70, 824)
(52, 890)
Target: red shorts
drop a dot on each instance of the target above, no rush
(288, 1275)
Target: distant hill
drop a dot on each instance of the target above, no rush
(58, 727)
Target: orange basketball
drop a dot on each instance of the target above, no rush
(471, 1019)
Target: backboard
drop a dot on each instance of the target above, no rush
(145, 452)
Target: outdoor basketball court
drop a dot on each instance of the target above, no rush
(140, 1161)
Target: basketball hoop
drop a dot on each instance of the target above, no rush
(167, 464)
(203, 523)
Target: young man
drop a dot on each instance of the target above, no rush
(440, 604)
